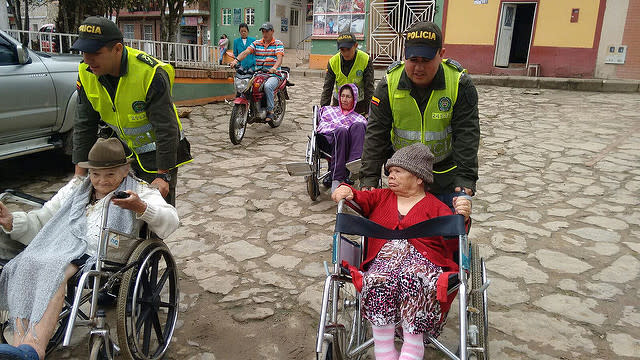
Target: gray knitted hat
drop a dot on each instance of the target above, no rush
(416, 158)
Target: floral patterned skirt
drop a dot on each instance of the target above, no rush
(400, 288)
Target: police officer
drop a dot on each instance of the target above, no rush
(429, 99)
(349, 66)
(131, 92)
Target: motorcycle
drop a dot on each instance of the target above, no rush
(250, 104)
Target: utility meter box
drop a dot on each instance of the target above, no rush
(616, 54)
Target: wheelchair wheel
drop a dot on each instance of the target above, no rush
(238, 123)
(351, 328)
(313, 185)
(148, 302)
(479, 301)
(327, 351)
(97, 350)
(278, 111)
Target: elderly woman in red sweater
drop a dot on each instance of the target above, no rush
(399, 284)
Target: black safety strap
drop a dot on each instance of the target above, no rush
(447, 226)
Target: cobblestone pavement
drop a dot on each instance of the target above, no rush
(556, 216)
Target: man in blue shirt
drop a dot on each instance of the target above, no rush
(241, 44)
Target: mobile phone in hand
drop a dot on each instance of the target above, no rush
(121, 195)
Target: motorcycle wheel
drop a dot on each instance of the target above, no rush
(278, 112)
(238, 123)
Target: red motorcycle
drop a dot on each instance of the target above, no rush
(250, 104)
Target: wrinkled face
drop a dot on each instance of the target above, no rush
(267, 35)
(402, 181)
(422, 70)
(346, 99)
(105, 60)
(244, 32)
(105, 181)
(349, 53)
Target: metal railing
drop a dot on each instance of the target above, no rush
(303, 49)
(177, 54)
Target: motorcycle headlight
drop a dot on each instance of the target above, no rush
(241, 84)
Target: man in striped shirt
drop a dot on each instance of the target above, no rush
(269, 52)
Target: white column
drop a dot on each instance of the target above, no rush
(4, 16)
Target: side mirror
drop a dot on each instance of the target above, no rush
(23, 55)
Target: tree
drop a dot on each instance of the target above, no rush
(171, 12)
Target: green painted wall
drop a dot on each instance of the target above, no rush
(217, 29)
(198, 91)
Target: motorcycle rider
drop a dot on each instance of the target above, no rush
(269, 52)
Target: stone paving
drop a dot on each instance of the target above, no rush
(556, 216)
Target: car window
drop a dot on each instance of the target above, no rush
(8, 54)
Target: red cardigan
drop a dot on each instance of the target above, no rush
(381, 207)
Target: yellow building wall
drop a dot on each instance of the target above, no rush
(471, 24)
(554, 28)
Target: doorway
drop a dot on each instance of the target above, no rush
(514, 36)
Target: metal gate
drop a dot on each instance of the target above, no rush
(388, 20)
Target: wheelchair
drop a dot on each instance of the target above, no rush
(143, 275)
(343, 333)
(318, 157)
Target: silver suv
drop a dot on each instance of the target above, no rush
(37, 99)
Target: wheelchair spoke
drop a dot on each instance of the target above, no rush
(144, 317)
(160, 284)
(154, 269)
(167, 305)
(146, 337)
(158, 328)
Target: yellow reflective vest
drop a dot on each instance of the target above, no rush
(433, 127)
(127, 115)
(356, 74)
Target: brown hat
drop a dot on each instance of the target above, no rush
(416, 159)
(423, 40)
(106, 154)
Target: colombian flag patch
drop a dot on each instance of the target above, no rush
(78, 84)
(375, 101)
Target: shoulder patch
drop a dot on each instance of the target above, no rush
(147, 59)
(393, 65)
(455, 64)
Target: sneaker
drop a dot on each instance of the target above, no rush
(326, 182)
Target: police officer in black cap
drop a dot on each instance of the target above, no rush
(349, 66)
(131, 92)
(431, 100)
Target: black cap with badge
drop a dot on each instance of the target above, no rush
(266, 26)
(94, 33)
(423, 40)
(346, 40)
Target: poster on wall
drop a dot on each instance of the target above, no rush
(284, 25)
(331, 17)
(309, 12)
(237, 16)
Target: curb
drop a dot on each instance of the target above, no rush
(597, 85)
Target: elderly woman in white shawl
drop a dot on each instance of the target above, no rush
(63, 235)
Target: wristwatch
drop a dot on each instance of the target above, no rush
(164, 176)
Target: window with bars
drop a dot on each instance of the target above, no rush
(250, 16)
(148, 32)
(295, 14)
(128, 31)
(226, 16)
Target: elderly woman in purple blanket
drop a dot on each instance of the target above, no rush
(344, 129)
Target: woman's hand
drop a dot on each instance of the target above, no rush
(133, 203)
(6, 219)
(342, 192)
(462, 206)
